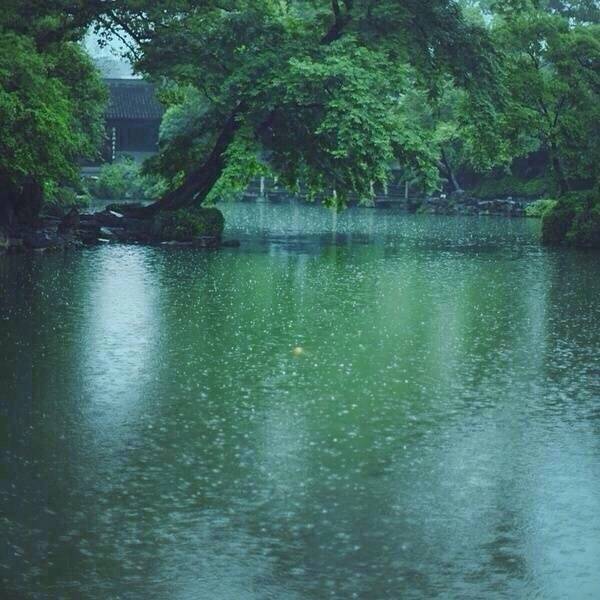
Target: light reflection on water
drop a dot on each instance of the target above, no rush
(438, 437)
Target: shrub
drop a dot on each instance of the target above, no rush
(585, 229)
(556, 223)
(60, 200)
(510, 185)
(125, 180)
(575, 220)
(539, 208)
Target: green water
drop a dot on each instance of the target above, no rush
(438, 437)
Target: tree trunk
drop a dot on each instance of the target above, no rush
(199, 182)
(563, 184)
(445, 164)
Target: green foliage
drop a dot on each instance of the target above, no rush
(539, 208)
(345, 138)
(552, 79)
(508, 185)
(51, 98)
(317, 89)
(549, 56)
(243, 163)
(574, 220)
(59, 200)
(187, 224)
(556, 224)
(44, 102)
(326, 94)
(124, 180)
(585, 229)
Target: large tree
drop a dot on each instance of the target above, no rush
(313, 90)
(51, 101)
(552, 83)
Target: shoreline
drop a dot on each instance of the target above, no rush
(80, 230)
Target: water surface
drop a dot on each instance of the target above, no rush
(437, 437)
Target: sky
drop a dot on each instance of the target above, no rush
(108, 58)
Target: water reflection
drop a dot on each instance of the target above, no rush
(118, 357)
(438, 436)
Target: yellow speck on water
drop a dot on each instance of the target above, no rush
(297, 350)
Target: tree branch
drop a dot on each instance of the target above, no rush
(340, 20)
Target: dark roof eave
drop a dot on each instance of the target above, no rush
(131, 99)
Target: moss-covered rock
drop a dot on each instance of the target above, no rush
(556, 224)
(585, 229)
(189, 224)
(574, 220)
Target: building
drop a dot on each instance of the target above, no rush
(133, 117)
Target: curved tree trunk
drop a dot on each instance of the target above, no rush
(447, 168)
(561, 179)
(199, 182)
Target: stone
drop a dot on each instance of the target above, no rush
(107, 233)
(125, 207)
(70, 221)
(35, 239)
(231, 244)
(177, 244)
(206, 241)
(109, 218)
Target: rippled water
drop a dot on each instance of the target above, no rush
(438, 436)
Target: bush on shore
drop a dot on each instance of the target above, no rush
(538, 208)
(60, 200)
(491, 188)
(124, 180)
(574, 221)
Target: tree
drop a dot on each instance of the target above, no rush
(51, 103)
(313, 90)
(552, 78)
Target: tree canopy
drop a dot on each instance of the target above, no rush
(314, 91)
(51, 99)
(328, 95)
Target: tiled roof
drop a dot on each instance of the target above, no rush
(132, 99)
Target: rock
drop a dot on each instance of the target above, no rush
(70, 221)
(124, 207)
(108, 233)
(88, 218)
(207, 241)
(186, 225)
(176, 243)
(124, 234)
(42, 239)
(109, 218)
(49, 222)
(88, 232)
(15, 244)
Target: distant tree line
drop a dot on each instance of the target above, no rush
(329, 93)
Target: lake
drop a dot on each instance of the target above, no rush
(363, 405)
